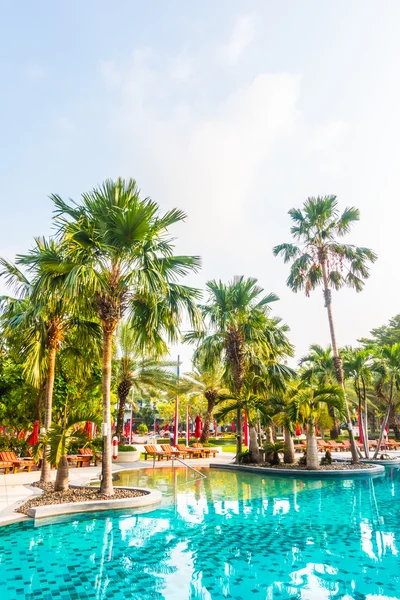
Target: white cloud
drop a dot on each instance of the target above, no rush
(224, 161)
(242, 35)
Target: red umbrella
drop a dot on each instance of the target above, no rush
(127, 429)
(88, 429)
(34, 437)
(21, 434)
(246, 429)
(215, 427)
(166, 427)
(233, 426)
(298, 430)
(198, 427)
(360, 431)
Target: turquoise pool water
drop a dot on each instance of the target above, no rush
(232, 535)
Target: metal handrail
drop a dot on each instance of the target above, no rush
(186, 465)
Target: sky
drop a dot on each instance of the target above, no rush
(234, 111)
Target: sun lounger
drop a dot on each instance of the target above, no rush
(87, 453)
(338, 446)
(323, 446)
(8, 467)
(191, 452)
(168, 449)
(18, 463)
(154, 453)
(206, 451)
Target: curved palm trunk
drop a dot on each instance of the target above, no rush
(253, 444)
(337, 361)
(385, 420)
(106, 486)
(288, 455)
(45, 474)
(205, 434)
(269, 435)
(335, 431)
(123, 392)
(312, 448)
(62, 477)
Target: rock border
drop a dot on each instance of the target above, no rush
(320, 474)
(371, 461)
(150, 498)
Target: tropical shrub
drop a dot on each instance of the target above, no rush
(142, 429)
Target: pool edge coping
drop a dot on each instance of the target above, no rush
(321, 473)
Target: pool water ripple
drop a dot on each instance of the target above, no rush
(231, 535)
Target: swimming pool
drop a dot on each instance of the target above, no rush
(231, 535)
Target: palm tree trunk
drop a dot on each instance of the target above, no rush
(62, 477)
(45, 474)
(205, 434)
(269, 435)
(106, 486)
(337, 361)
(123, 392)
(288, 455)
(253, 444)
(312, 448)
(385, 420)
(366, 444)
(335, 429)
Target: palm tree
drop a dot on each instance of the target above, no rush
(320, 259)
(240, 333)
(120, 257)
(357, 365)
(41, 321)
(206, 384)
(318, 365)
(146, 375)
(304, 405)
(59, 439)
(387, 369)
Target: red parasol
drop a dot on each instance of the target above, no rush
(187, 425)
(127, 429)
(298, 430)
(34, 437)
(233, 426)
(88, 429)
(246, 429)
(360, 431)
(166, 427)
(198, 427)
(21, 434)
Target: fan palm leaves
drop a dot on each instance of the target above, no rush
(237, 332)
(119, 255)
(58, 441)
(145, 375)
(39, 323)
(206, 384)
(386, 367)
(319, 258)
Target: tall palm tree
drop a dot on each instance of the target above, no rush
(138, 372)
(318, 365)
(238, 335)
(304, 405)
(120, 257)
(386, 366)
(40, 323)
(320, 259)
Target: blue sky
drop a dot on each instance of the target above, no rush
(234, 111)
